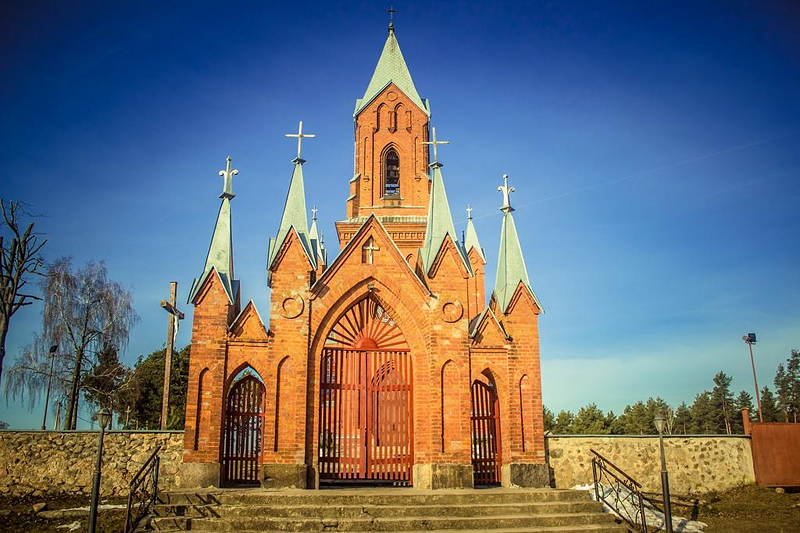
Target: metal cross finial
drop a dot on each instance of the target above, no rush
(506, 190)
(227, 177)
(434, 143)
(469, 212)
(314, 213)
(391, 12)
(300, 136)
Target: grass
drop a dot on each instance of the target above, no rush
(751, 509)
(16, 515)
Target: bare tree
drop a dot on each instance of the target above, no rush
(84, 312)
(30, 373)
(18, 261)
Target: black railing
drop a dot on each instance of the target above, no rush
(143, 491)
(619, 491)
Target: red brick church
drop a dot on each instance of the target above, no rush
(384, 364)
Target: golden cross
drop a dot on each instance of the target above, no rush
(434, 143)
(300, 136)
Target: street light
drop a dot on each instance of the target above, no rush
(659, 423)
(53, 350)
(750, 340)
(104, 419)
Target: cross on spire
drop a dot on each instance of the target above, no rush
(434, 143)
(314, 213)
(391, 12)
(300, 136)
(506, 190)
(469, 212)
(227, 179)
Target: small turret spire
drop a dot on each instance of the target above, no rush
(471, 236)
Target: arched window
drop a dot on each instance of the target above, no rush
(392, 174)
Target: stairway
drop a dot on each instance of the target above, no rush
(379, 509)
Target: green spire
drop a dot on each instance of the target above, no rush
(471, 236)
(511, 268)
(294, 216)
(220, 253)
(440, 222)
(391, 68)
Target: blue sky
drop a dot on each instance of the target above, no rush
(655, 149)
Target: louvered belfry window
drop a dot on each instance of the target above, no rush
(392, 173)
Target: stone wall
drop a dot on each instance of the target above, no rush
(42, 462)
(696, 464)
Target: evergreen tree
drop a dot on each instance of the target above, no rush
(783, 392)
(793, 386)
(769, 406)
(549, 419)
(743, 401)
(722, 401)
(590, 420)
(563, 423)
(702, 414)
(633, 420)
(682, 420)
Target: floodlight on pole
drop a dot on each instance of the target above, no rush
(750, 340)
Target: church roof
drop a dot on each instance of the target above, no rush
(511, 268)
(294, 216)
(391, 68)
(471, 237)
(439, 223)
(220, 254)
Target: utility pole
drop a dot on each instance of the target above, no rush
(172, 330)
(750, 340)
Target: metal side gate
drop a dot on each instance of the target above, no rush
(485, 420)
(244, 414)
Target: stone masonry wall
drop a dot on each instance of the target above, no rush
(696, 464)
(55, 462)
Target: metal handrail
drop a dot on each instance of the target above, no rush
(143, 495)
(623, 489)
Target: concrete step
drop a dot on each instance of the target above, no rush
(385, 524)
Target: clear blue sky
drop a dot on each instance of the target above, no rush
(655, 149)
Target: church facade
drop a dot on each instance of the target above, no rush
(386, 364)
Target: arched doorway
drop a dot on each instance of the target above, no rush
(485, 418)
(365, 428)
(244, 415)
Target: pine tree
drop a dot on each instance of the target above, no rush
(793, 385)
(769, 406)
(682, 420)
(722, 401)
(702, 417)
(549, 419)
(783, 392)
(743, 401)
(590, 420)
(563, 423)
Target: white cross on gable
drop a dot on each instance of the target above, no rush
(370, 248)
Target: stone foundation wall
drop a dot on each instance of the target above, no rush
(52, 462)
(696, 464)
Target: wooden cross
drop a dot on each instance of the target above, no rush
(300, 136)
(469, 212)
(370, 249)
(227, 179)
(506, 190)
(434, 143)
(172, 330)
(314, 213)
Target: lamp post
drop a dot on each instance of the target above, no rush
(53, 350)
(659, 423)
(750, 340)
(104, 418)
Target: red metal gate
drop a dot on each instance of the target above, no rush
(485, 434)
(365, 430)
(244, 414)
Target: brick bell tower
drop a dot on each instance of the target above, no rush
(390, 177)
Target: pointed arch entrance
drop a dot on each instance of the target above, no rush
(486, 447)
(244, 416)
(365, 429)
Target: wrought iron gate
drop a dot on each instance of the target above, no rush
(485, 434)
(365, 430)
(244, 414)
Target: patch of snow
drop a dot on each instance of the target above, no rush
(654, 517)
(71, 527)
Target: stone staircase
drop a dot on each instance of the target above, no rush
(377, 509)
